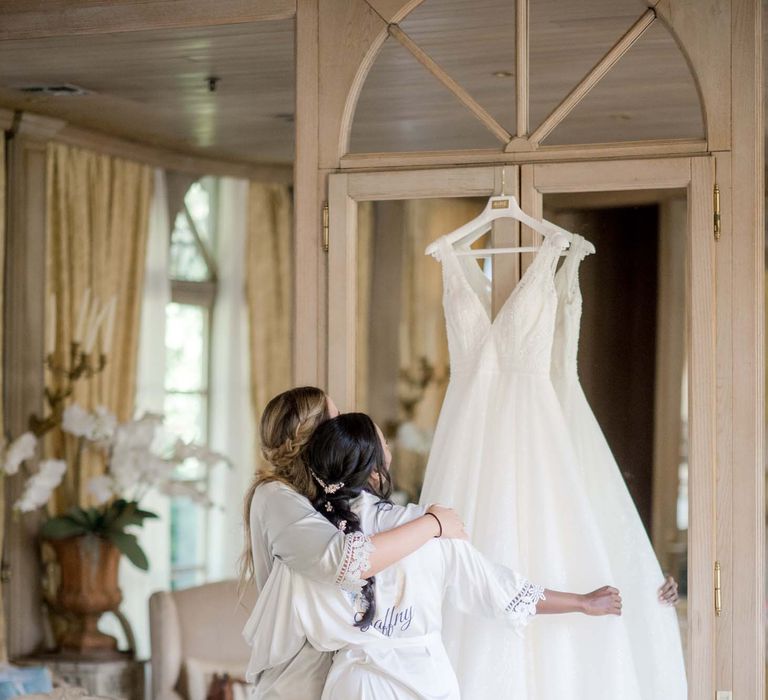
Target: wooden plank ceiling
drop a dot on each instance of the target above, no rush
(151, 86)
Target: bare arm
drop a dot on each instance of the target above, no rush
(296, 534)
(395, 544)
(603, 601)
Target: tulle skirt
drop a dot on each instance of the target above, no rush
(653, 628)
(504, 458)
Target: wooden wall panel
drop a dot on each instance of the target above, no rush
(702, 28)
(23, 320)
(350, 34)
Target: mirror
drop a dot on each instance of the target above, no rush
(632, 351)
(632, 345)
(402, 349)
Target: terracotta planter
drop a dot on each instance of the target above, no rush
(87, 589)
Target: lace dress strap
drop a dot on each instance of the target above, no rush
(570, 268)
(453, 273)
(548, 256)
(442, 248)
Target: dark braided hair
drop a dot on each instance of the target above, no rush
(344, 453)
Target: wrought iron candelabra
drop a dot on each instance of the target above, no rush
(80, 365)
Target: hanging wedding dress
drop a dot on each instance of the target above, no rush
(503, 457)
(653, 628)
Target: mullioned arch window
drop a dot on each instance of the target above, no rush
(507, 76)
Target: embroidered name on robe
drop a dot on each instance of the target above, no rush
(392, 620)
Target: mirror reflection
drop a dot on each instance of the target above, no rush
(632, 360)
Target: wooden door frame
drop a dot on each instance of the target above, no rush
(695, 174)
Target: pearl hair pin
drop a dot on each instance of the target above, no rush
(328, 488)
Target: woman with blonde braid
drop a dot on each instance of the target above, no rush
(281, 524)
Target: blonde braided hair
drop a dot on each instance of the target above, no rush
(288, 421)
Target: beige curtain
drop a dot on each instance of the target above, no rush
(268, 290)
(98, 218)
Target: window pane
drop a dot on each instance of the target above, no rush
(474, 42)
(187, 262)
(186, 376)
(200, 203)
(566, 40)
(186, 416)
(187, 579)
(403, 107)
(185, 341)
(662, 104)
(188, 526)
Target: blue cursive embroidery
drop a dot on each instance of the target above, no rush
(393, 619)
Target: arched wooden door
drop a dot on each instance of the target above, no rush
(693, 178)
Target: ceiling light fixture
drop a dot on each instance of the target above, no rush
(503, 74)
(64, 90)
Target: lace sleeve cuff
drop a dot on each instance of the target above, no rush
(523, 606)
(356, 560)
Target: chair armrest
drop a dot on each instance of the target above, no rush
(165, 640)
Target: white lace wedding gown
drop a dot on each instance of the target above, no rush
(503, 457)
(654, 630)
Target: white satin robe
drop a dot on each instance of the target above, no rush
(286, 528)
(400, 656)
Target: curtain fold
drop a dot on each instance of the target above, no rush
(268, 291)
(97, 223)
(232, 424)
(154, 536)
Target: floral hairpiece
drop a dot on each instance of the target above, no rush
(328, 488)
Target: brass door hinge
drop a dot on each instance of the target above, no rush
(716, 202)
(326, 228)
(718, 591)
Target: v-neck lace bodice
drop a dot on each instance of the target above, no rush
(520, 337)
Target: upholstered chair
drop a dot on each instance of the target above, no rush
(196, 633)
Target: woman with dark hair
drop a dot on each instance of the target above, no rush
(387, 638)
(282, 525)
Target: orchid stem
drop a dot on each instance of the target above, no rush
(78, 468)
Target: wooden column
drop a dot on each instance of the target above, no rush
(307, 356)
(748, 351)
(23, 317)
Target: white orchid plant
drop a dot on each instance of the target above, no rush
(139, 456)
